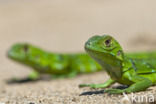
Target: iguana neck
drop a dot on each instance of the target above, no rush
(127, 64)
(114, 71)
(111, 64)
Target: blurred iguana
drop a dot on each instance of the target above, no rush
(55, 64)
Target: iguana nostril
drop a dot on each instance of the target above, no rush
(88, 43)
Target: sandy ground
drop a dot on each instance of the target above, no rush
(64, 26)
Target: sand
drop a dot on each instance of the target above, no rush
(64, 26)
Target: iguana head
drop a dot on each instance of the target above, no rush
(18, 52)
(107, 52)
(40, 60)
(26, 54)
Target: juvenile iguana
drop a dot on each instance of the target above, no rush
(55, 64)
(137, 70)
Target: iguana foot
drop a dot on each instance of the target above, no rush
(114, 91)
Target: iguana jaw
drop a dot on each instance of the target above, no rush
(106, 56)
(108, 62)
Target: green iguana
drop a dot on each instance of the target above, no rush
(136, 70)
(55, 64)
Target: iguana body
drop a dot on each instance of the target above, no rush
(57, 65)
(137, 70)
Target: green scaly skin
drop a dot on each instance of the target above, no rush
(55, 64)
(137, 70)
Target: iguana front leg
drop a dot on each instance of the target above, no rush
(140, 84)
(34, 75)
(102, 85)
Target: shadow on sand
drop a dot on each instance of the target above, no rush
(25, 80)
(101, 91)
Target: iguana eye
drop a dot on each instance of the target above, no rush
(25, 48)
(108, 42)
